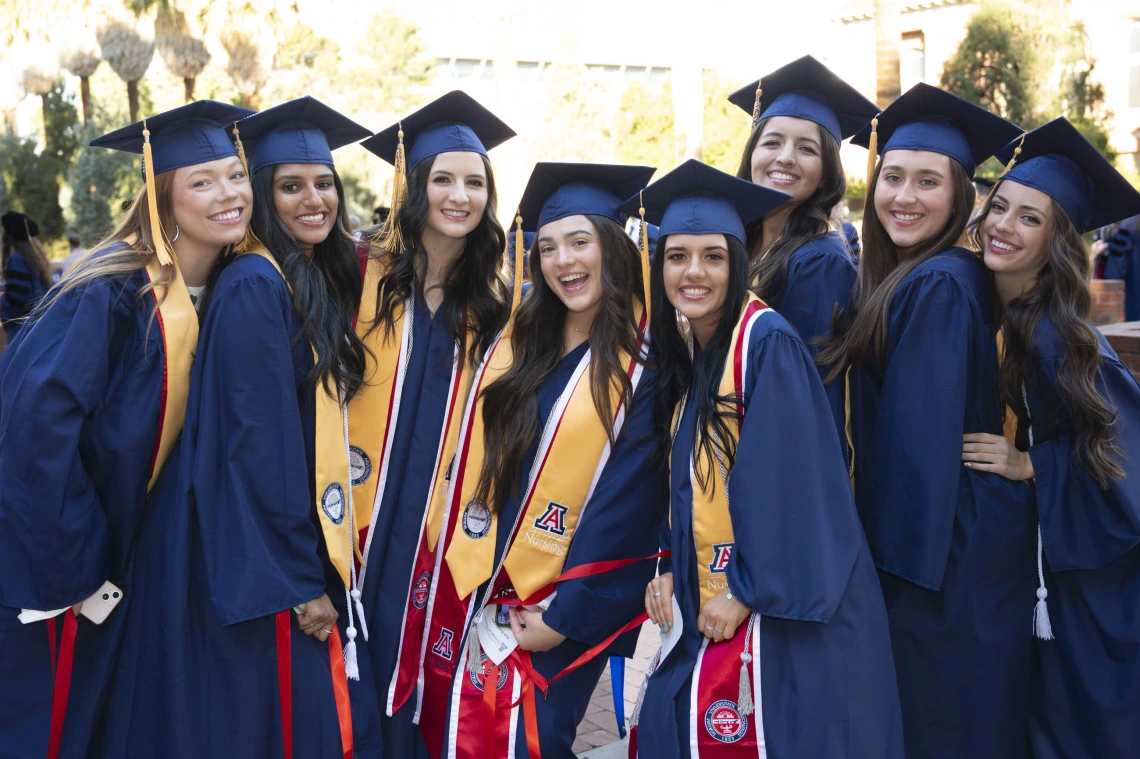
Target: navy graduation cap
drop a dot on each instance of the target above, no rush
(930, 119)
(450, 124)
(806, 89)
(185, 136)
(1057, 160)
(557, 190)
(304, 130)
(696, 199)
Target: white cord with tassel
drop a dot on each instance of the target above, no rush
(351, 596)
(744, 701)
(1042, 627)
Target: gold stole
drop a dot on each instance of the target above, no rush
(573, 449)
(712, 521)
(178, 323)
(334, 506)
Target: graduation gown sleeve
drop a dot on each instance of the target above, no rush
(54, 538)
(22, 289)
(796, 530)
(621, 521)
(1083, 526)
(915, 451)
(250, 473)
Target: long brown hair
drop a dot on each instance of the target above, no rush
(127, 249)
(475, 288)
(807, 221)
(1062, 291)
(32, 251)
(510, 403)
(863, 335)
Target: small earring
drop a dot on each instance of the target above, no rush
(177, 231)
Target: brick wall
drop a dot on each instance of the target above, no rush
(1125, 340)
(1108, 301)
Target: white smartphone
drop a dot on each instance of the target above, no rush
(102, 602)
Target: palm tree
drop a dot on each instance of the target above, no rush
(129, 54)
(245, 66)
(184, 54)
(40, 76)
(82, 62)
(888, 37)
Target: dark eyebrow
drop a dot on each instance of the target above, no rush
(568, 235)
(297, 176)
(715, 247)
(207, 172)
(935, 172)
(442, 171)
(676, 247)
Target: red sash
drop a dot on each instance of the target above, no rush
(720, 726)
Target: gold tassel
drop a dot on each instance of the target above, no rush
(391, 241)
(249, 242)
(872, 150)
(756, 105)
(516, 294)
(240, 150)
(1016, 153)
(644, 255)
(156, 233)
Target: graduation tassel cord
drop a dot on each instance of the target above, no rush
(1042, 626)
(644, 249)
(1016, 153)
(249, 241)
(156, 233)
(474, 651)
(744, 695)
(756, 104)
(872, 150)
(391, 240)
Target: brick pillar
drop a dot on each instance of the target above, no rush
(1108, 301)
(1125, 340)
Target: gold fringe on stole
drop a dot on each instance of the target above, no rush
(159, 237)
(390, 238)
(644, 247)
(872, 151)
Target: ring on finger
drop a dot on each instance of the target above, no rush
(718, 630)
(656, 595)
(708, 627)
(327, 631)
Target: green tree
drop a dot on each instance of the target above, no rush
(32, 189)
(645, 130)
(97, 182)
(395, 68)
(726, 126)
(1079, 96)
(63, 130)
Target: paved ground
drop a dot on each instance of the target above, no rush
(598, 733)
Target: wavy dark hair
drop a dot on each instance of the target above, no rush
(1062, 291)
(678, 372)
(326, 287)
(862, 336)
(809, 220)
(475, 286)
(510, 403)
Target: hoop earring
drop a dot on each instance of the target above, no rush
(177, 232)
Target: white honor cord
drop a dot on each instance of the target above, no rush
(1042, 627)
(351, 666)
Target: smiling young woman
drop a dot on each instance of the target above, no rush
(799, 265)
(93, 400)
(1074, 426)
(921, 345)
(433, 299)
(761, 615)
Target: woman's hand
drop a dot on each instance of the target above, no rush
(318, 619)
(531, 632)
(993, 453)
(721, 615)
(659, 601)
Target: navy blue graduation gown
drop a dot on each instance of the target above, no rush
(1085, 701)
(819, 279)
(800, 561)
(1120, 263)
(621, 522)
(395, 535)
(954, 546)
(234, 540)
(23, 288)
(80, 401)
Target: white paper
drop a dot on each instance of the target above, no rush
(497, 642)
(27, 616)
(670, 639)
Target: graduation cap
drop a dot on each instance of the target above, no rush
(304, 130)
(185, 136)
(930, 119)
(696, 199)
(1057, 160)
(806, 89)
(19, 227)
(557, 190)
(454, 123)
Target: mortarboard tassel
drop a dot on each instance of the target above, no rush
(391, 240)
(756, 105)
(157, 235)
(872, 150)
(516, 294)
(249, 241)
(644, 246)
(1016, 153)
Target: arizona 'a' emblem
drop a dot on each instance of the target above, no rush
(484, 663)
(359, 465)
(476, 519)
(444, 646)
(724, 721)
(420, 590)
(722, 552)
(332, 503)
(553, 520)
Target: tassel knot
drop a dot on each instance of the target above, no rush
(756, 105)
